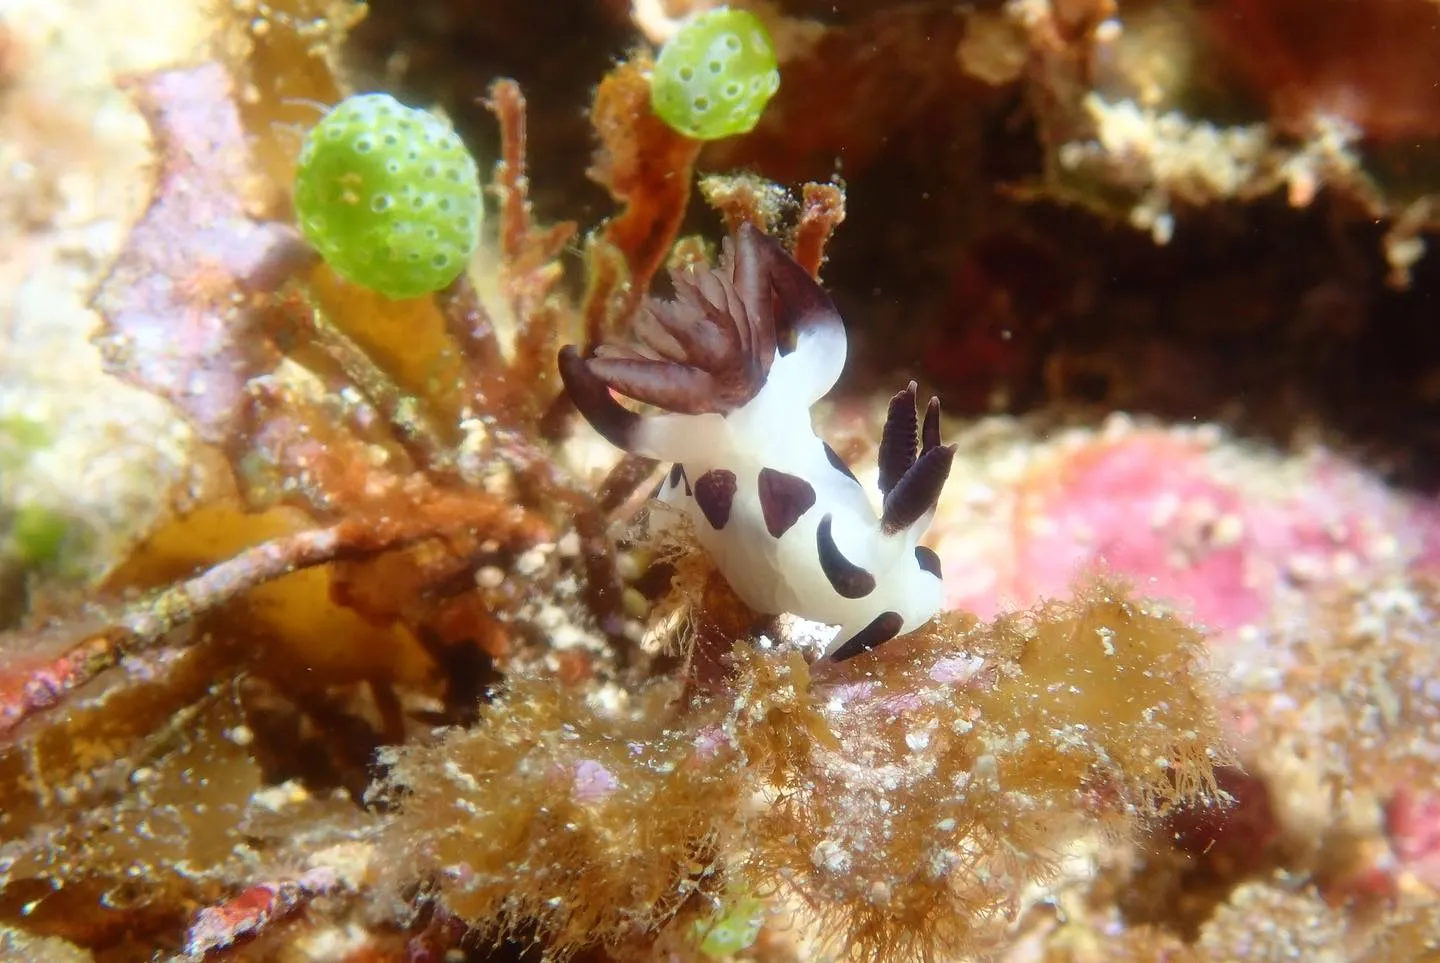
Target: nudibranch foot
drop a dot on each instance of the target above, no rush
(734, 363)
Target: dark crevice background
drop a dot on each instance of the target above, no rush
(1275, 321)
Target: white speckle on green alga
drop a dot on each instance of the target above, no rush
(732, 929)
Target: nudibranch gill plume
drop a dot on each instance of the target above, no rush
(734, 363)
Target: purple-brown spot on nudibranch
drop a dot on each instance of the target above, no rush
(881, 629)
(714, 492)
(677, 475)
(838, 463)
(846, 578)
(928, 560)
(783, 499)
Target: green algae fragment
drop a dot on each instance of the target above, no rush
(20, 438)
(715, 76)
(389, 196)
(732, 929)
(39, 535)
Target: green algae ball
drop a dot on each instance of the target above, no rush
(715, 76)
(389, 196)
(39, 535)
(733, 929)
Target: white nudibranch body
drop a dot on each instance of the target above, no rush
(785, 521)
(799, 534)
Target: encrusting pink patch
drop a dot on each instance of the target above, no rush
(592, 782)
(1412, 821)
(1186, 519)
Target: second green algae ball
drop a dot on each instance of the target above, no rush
(389, 196)
(715, 76)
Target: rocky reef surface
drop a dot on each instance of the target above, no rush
(330, 632)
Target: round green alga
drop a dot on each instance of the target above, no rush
(389, 196)
(715, 76)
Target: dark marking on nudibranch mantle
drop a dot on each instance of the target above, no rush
(783, 499)
(846, 578)
(928, 560)
(838, 463)
(714, 492)
(881, 629)
(677, 475)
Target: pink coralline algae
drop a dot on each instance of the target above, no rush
(1316, 584)
(592, 781)
(1221, 529)
(1412, 824)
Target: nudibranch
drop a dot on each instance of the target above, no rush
(734, 363)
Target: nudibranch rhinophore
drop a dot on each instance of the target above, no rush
(735, 363)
